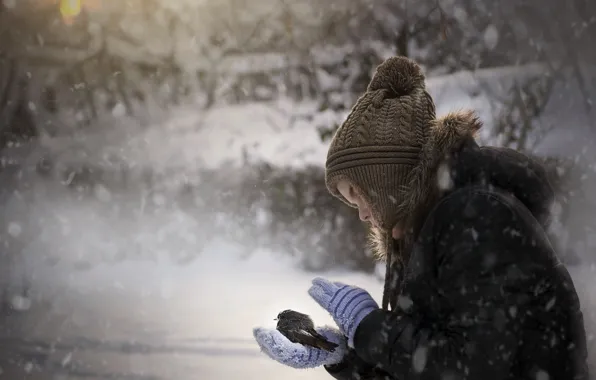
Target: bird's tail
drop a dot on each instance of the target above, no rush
(324, 343)
(327, 345)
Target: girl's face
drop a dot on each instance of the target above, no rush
(347, 190)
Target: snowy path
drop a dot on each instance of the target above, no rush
(144, 321)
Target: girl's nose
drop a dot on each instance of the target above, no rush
(364, 214)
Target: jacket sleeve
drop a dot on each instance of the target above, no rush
(351, 368)
(460, 316)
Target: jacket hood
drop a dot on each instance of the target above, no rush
(508, 170)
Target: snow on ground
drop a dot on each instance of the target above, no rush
(218, 296)
(204, 312)
(207, 308)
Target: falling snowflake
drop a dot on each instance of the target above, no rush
(444, 180)
(14, 229)
(419, 359)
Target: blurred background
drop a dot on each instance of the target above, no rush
(162, 163)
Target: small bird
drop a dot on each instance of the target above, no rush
(299, 328)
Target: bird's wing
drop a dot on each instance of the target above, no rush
(313, 333)
(305, 332)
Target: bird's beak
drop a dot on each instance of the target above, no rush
(275, 319)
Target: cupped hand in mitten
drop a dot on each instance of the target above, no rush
(295, 355)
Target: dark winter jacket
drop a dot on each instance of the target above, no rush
(485, 296)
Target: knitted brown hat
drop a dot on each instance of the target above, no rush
(391, 144)
(378, 145)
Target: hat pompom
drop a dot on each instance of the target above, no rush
(399, 75)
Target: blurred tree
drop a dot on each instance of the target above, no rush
(452, 35)
(139, 56)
